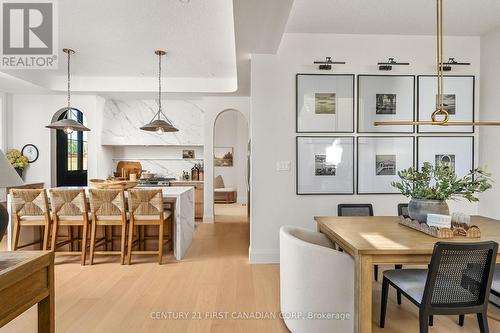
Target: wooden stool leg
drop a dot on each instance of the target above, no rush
(84, 242)
(122, 243)
(15, 236)
(55, 228)
(92, 242)
(130, 238)
(70, 237)
(160, 241)
(46, 233)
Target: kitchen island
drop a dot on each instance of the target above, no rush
(182, 201)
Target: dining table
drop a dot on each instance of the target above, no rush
(381, 240)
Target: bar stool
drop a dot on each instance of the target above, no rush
(69, 208)
(146, 209)
(30, 208)
(108, 209)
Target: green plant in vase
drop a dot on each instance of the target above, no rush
(18, 161)
(430, 187)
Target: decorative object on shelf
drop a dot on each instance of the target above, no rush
(325, 103)
(185, 175)
(8, 178)
(327, 63)
(18, 161)
(195, 173)
(157, 124)
(452, 62)
(201, 172)
(472, 231)
(387, 66)
(457, 99)
(112, 184)
(325, 165)
(379, 160)
(440, 116)
(31, 152)
(223, 156)
(188, 154)
(385, 97)
(68, 124)
(456, 151)
(430, 187)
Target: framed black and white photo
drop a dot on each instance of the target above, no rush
(456, 151)
(458, 101)
(325, 165)
(386, 98)
(379, 160)
(325, 103)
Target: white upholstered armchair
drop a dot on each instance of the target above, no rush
(316, 282)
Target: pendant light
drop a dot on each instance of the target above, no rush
(439, 117)
(67, 124)
(157, 124)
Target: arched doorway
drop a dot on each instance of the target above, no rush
(71, 153)
(231, 167)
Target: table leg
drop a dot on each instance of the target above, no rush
(363, 294)
(46, 312)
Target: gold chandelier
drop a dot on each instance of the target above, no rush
(440, 116)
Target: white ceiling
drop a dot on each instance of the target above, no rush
(209, 43)
(115, 40)
(402, 17)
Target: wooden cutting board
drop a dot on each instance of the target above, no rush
(129, 167)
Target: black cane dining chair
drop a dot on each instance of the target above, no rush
(358, 210)
(403, 209)
(457, 282)
(355, 210)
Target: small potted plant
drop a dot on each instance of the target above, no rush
(18, 161)
(430, 187)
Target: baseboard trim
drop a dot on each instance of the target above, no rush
(208, 219)
(264, 256)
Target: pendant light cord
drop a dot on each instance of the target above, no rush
(69, 80)
(159, 85)
(439, 17)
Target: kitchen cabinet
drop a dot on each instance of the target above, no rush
(198, 194)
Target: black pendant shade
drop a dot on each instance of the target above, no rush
(66, 124)
(157, 124)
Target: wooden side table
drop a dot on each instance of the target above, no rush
(26, 279)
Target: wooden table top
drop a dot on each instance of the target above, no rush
(12, 260)
(384, 235)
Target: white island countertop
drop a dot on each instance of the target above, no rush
(183, 216)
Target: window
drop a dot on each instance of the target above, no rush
(77, 145)
(72, 154)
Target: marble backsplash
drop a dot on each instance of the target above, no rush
(122, 120)
(170, 168)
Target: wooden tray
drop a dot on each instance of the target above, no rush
(112, 184)
(455, 231)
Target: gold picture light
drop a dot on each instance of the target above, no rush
(440, 116)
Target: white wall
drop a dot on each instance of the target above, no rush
(274, 202)
(29, 114)
(231, 130)
(490, 110)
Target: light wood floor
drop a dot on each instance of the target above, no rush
(215, 276)
(230, 213)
